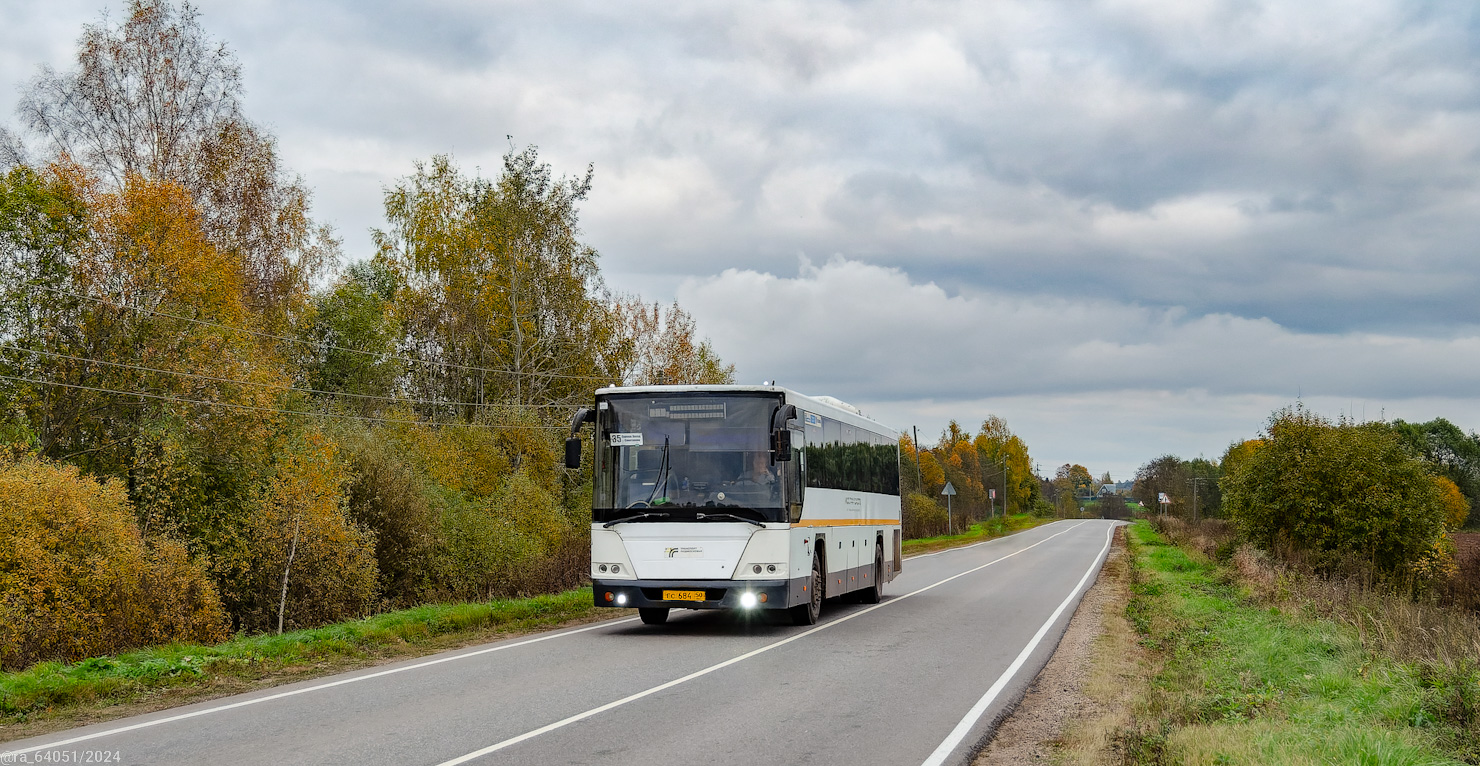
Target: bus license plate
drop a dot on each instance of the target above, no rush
(683, 595)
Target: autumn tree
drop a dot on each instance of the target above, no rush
(498, 287)
(353, 335)
(1449, 451)
(1074, 479)
(44, 222)
(1162, 475)
(1006, 464)
(156, 99)
(658, 346)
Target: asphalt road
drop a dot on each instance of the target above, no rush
(919, 678)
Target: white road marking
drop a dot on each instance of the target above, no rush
(951, 550)
(957, 734)
(9, 755)
(966, 547)
(741, 658)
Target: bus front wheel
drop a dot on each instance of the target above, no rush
(656, 615)
(807, 614)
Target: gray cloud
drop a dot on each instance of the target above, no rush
(1246, 198)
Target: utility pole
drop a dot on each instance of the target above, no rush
(1194, 481)
(1005, 469)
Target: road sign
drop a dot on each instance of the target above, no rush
(1161, 497)
(992, 494)
(949, 490)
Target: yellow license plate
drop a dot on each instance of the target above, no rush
(683, 595)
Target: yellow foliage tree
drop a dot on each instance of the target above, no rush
(1456, 506)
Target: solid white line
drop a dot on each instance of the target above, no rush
(11, 753)
(957, 734)
(741, 658)
(973, 545)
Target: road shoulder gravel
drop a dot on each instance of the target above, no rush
(1062, 715)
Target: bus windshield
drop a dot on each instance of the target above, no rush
(684, 454)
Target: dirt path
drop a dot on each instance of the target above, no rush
(1076, 687)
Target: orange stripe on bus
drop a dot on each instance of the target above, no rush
(843, 522)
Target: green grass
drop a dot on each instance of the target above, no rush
(1245, 683)
(52, 688)
(985, 530)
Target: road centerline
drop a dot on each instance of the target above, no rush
(734, 660)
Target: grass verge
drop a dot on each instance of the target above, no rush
(985, 530)
(1228, 679)
(51, 695)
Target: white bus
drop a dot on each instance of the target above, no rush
(738, 497)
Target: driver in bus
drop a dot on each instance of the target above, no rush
(760, 469)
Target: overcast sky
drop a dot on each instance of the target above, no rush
(1129, 227)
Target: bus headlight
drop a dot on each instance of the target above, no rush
(747, 600)
(599, 568)
(621, 599)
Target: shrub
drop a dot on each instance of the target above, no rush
(388, 496)
(923, 517)
(1338, 492)
(76, 577)
(298, 524)
(497, 546)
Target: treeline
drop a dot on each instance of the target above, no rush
(212, 425)
(1375, 498)
(975, 465)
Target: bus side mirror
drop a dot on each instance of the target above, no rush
(573, 444)
(781, 444)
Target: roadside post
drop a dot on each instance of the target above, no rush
(949, 492)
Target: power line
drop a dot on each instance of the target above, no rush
(273, 386)
(254, 408)
(288, 339)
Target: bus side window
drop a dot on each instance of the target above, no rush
(792, 473)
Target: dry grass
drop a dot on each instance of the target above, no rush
(1436, 624)
(1253, 661)
(1388, 622)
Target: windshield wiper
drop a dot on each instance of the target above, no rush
(703, 516)
(635, 517)
(662, 480)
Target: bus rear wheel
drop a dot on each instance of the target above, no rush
(653, 615)
(807, 614)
